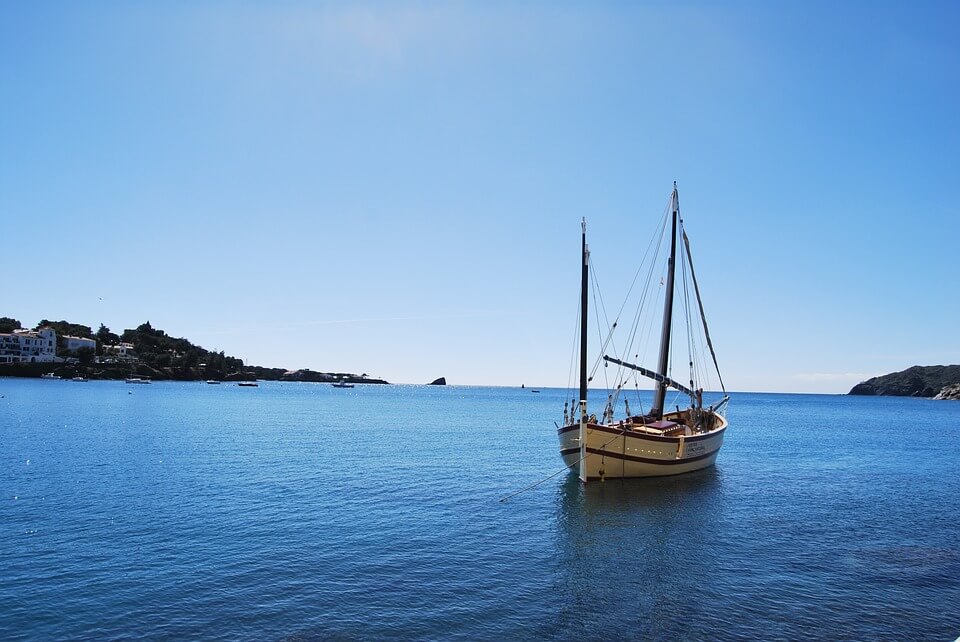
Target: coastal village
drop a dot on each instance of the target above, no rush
(40, 346)
(54, 349)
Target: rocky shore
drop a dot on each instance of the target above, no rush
(950, 392)
(123, 371)
(938, 382)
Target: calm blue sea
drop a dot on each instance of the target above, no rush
(299, 511)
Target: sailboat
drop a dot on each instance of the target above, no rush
(659, 441)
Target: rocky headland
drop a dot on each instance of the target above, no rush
(938, 382)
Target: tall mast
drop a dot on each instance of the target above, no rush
(661, 391)
(584, 276)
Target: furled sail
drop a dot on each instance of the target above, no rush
(706, 331)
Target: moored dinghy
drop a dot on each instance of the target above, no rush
(656, 442)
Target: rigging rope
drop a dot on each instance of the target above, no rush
(687, 319)
(597, 309)
(655, 243)
(699, 373)
(643, 325)
(573, 356)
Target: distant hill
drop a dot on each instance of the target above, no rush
(158, 356)
(917, 381)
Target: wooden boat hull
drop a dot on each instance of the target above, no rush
(616, 451)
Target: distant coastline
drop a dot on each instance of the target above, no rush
(120, 372)
(72, 350)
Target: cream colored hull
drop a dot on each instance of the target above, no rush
(614, 451)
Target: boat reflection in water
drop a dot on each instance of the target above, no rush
(646, 549)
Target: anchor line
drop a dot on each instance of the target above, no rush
(623, 432)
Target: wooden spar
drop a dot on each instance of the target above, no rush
(661, 391)
(653, 375)
(584, 276)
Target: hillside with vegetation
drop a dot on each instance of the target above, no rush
(917, 381)
(156, 355)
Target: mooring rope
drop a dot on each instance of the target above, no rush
(623, 432)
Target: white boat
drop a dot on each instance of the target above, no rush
(656, 442)
(213, 382)
(80, 379)
(137, 380)
(248, 384)
(341, 384)
(49, 375)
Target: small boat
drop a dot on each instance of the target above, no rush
(657, 441)
(137, 380)
(49, 375)
(213, 382)
(80, 379)
(248, 384)
(341, 384)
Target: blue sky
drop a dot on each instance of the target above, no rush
(396, 188)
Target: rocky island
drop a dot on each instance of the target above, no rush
(938, 382)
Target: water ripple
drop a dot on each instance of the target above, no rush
(300, 513)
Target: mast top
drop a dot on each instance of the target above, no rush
(661, 391)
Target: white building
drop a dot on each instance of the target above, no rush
(75, 343)
(28, 346)
(119, 352)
